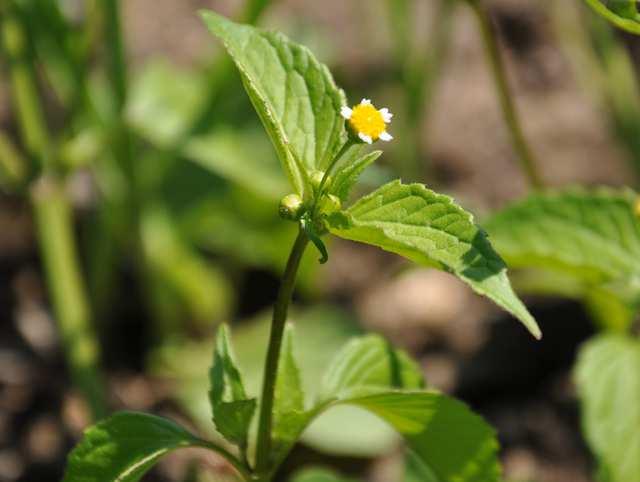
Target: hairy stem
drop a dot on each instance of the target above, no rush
(509, 112)
(263, 446)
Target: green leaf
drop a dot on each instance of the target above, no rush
(124, 447)
(590, 236)
(594, 235)
(370, 361)
(347, 177)
(624, 8)
(416, 470)
(621, 13)
(608, 381)
(289, 404)
(430, 229)
(453, 442)
(232, 409)
(294, 95)
(164, 102)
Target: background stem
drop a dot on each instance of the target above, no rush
(26, 100)
(54, 222)
(509, 112)
(54, 225)
(263, 446)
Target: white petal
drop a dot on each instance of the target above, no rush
(365, 102)
(386, 115)
(365, 138)
(385, 136)
(346, 112)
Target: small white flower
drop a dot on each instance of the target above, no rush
(386, 115)
(367, 122)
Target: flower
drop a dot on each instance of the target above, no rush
(367, 122)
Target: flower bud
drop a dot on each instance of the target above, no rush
(316, 179)
(291, 207)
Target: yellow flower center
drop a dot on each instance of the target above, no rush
(367, 120)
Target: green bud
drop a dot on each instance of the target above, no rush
(291, 207)
(316, 180)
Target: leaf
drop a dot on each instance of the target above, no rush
(350, 431)
(624, 8)
(416, 470)
(622, 13)
(289, 402)
(164, 102)
(454, 443)
(367, 362)
(607, 375)
(294, 95)
(591, 236)
(232, 409)
(347, 177)
(430, 229)
(124, 447)
(370, 361)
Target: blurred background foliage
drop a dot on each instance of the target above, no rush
(128, 154)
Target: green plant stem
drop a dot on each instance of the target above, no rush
(54, 223)
(35, 135)
(263, 445)
(116, 64)
(498, 71)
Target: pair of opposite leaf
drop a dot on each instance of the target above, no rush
(312, 130)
